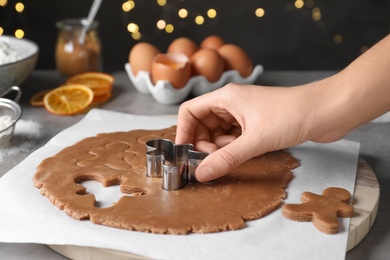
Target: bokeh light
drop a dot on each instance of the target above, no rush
(132, 27)
(171, 12)
(19, 33)
(19, 7)
(199, 20)
(169, 28)
(337, 39)
(161, 2)
(161, 24)
(316, 14)
(299, 4)
(183, 13)
(128, 5)
(259, 12)
(136, 35)
(211, 13)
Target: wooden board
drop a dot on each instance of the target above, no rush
(365, 203)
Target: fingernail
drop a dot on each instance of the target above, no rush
(204, 174)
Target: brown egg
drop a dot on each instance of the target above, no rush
(236, 59)
(212, 42)
(209, 63)
(183, 45)
(173, 67)
(141, 57)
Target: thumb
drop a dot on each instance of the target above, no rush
(225, 159)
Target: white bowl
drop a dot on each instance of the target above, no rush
(164, 93)
(15, 73)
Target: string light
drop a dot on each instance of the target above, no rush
(162, 25)
(19, 33)
(211, 13)
(132, 27)
(183, 13)
(19, 7)
(161, 2)
(199, 20)
(259, 12)
(128, 5)
(299, 4)
(316, 14)
(167, 24)
(169, 28)
(136, 35)
(337, 39)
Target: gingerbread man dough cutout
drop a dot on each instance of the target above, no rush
(322, 210)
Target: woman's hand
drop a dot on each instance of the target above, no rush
(236, 123)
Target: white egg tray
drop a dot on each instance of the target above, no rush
(164, 93)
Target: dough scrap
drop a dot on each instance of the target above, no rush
(322, 210)
(251, 191)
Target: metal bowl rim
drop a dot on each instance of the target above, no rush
(36, 52)
(16, 107)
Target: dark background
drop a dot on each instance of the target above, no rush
(286, 38)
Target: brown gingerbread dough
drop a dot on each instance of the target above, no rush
(251, 191)
(323, 209)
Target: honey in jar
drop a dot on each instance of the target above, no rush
(73, 56)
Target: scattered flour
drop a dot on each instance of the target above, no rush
(26, 134)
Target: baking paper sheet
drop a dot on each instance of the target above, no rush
(28, 217)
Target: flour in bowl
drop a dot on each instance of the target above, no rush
(5, 122)
(7, 54)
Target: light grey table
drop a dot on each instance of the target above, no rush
(374, 138)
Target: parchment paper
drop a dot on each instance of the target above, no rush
(27, 216)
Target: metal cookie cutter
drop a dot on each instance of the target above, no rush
(175, 164)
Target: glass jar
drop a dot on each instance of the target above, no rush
(72, 56)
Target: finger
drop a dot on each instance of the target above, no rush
(189, 116)
(212, 122)
(225, 159)
(223, 140)
(205, 146)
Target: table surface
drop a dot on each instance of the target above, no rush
(374, 138)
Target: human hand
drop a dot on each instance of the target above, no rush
(236, 123)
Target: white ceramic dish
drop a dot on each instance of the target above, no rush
(15, 73)
(164, 93)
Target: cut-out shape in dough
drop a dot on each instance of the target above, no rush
(105, 196)
(249, 192)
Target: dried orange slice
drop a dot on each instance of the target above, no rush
(37, 99)
(68, 99)
(100, 83)
(101, 98)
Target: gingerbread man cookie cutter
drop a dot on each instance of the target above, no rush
(175, 164)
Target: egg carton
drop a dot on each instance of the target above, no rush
(164, 93)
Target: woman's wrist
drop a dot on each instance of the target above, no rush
(327, 110)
